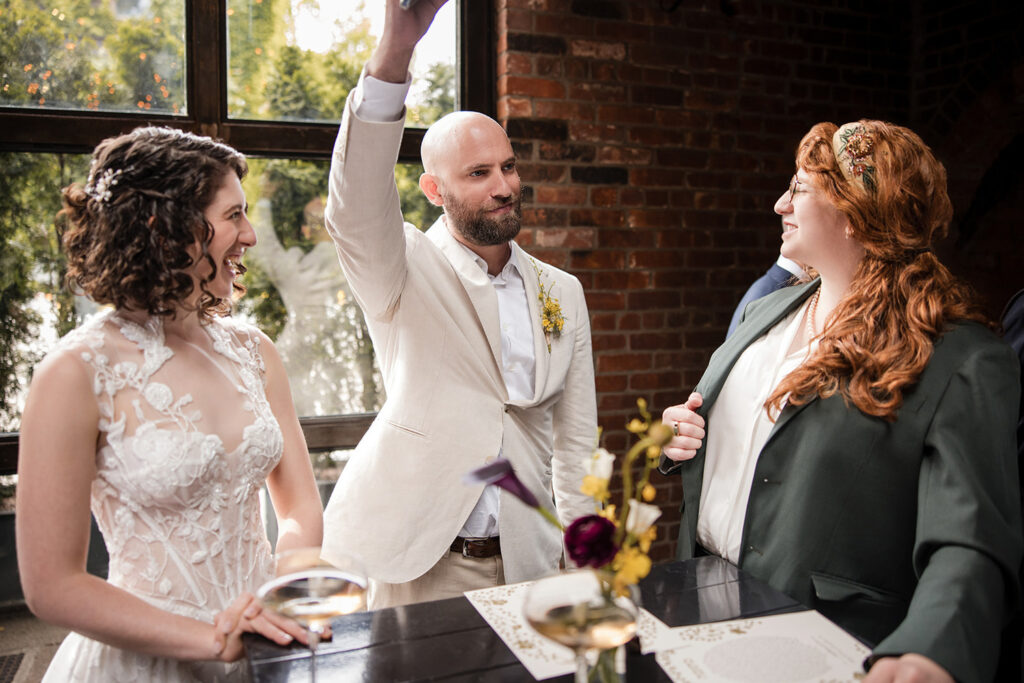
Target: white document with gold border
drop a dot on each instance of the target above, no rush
(785, 648)
(502, 608)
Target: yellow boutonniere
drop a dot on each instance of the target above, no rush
(551, 318)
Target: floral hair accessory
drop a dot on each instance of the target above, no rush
(99, 188)
(551, 318)
(854, 145)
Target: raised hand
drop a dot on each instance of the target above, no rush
(403, 29)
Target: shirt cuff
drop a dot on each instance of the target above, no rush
(379, 101)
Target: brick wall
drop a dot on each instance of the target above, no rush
(654, 142)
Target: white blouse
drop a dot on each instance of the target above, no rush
(739, 428)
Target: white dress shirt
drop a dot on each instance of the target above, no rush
(377, 100)
(738, 430)
(517, 369)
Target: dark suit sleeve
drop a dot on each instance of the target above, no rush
(968, 544)
(775, 278)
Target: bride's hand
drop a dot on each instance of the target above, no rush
(246, 615)
(687, 427)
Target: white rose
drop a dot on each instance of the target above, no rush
(601, 464)
(641, 516)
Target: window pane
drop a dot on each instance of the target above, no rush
(297, 292)
(296, 60)
(118, 56)
(34, 308)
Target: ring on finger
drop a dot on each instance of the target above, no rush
(675, 428)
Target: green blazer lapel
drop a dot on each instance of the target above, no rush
(760, 316)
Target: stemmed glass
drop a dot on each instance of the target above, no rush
(312, 591)
(579, 609)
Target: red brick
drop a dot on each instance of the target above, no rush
(581, 130)
(604, 196)
(560, 109)
(532, 87)
(604, 218)
(604, 301)
(514, 107)
(602, 322)
(574, 238)
(560, 194)
(611, 383)
(622, 280)
(608, 342)
(624, 155)
(623, 362)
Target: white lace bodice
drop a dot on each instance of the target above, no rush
(185, 446)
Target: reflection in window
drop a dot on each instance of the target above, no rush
(297, 292)
(297, 60)
(120, 56)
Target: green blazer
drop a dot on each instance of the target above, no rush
(905, 533)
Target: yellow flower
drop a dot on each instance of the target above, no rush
(630, 565)
(645, 539)
(595, 487)
(648, 493)
(551, 318)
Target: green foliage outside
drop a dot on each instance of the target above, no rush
(77, 54)
(31, 263)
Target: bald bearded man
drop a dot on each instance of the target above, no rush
(470, 372)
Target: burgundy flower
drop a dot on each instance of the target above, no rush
(590, 541)
(500, 473)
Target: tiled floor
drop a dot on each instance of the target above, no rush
(22, 632)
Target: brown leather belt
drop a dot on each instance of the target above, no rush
(478, 548)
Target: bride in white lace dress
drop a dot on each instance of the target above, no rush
(165, 418)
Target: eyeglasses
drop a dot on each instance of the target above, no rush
(793, 184)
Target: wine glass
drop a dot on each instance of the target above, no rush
(312, 591)
(580, 610)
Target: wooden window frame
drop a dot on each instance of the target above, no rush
(78, 131)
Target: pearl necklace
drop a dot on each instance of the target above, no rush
(812, 309)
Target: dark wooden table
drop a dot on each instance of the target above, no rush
(448, 640)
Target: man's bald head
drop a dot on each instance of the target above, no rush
(469, 169)
(450, 142)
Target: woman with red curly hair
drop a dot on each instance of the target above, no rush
(165, 418)
(852, 443)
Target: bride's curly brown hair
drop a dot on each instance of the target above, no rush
(879, 338)
(133, 233)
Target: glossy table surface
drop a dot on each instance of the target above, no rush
(448, 640)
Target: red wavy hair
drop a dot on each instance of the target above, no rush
(879, 338)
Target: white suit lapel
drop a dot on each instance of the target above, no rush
(476, 283)
(541, 354)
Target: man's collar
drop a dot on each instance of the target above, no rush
(479, 261)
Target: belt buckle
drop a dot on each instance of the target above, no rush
(465, 548)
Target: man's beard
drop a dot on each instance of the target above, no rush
(480, 229)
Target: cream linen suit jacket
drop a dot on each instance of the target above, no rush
(433, 317)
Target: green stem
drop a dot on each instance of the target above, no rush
(547, 514)
(627, 483)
